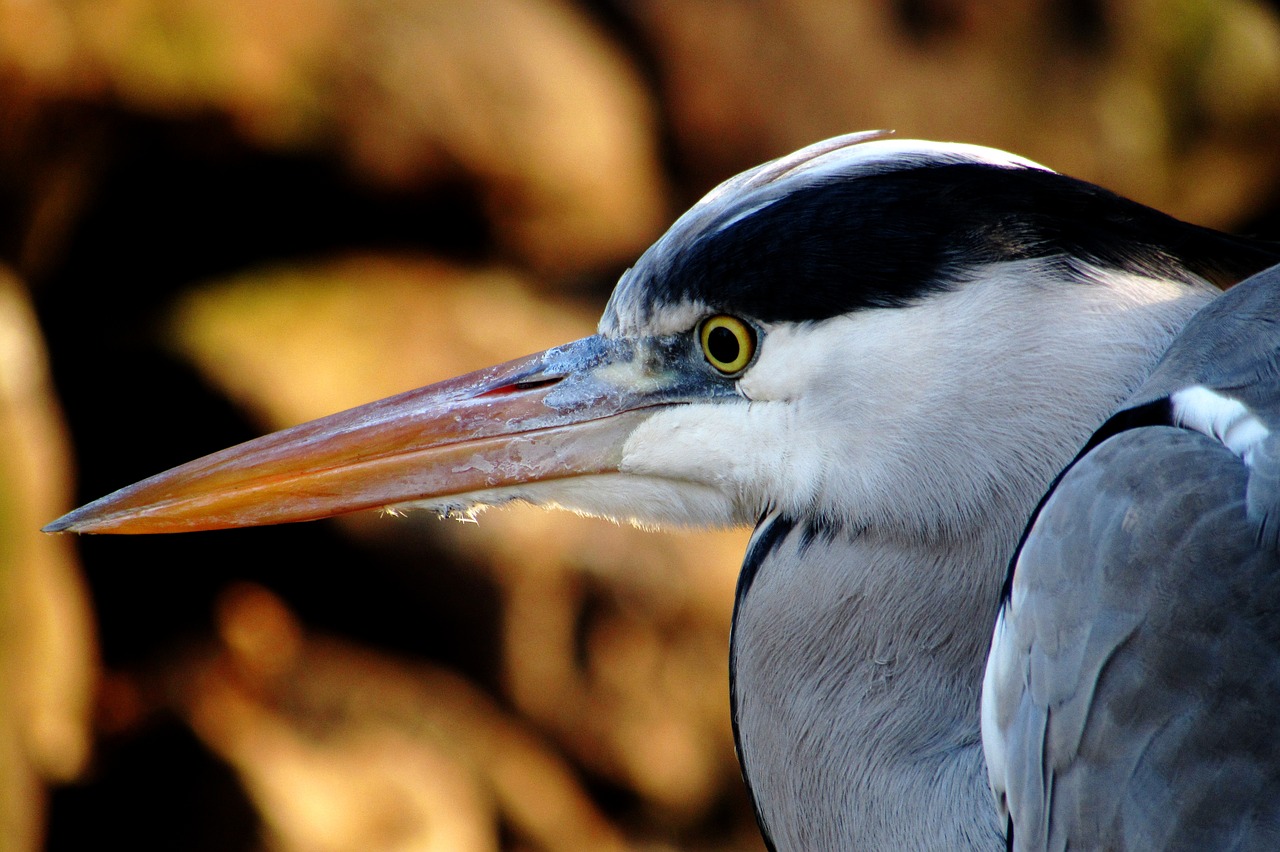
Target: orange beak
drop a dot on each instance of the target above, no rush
(561, 413)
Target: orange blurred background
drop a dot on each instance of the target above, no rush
(222, 217)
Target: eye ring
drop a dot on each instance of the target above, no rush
(728, 343)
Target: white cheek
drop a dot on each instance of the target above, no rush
(784, 368)
(828, 379)
(735, 448)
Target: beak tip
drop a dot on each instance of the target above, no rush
(64, 524)
(89, 518)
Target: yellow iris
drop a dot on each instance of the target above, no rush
(728, 343)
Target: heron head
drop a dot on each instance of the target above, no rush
(827, 312)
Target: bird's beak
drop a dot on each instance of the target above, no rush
(561, 413)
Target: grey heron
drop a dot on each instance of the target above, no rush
(878, 352)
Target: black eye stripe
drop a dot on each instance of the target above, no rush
(895, 238)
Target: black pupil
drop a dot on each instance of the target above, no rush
(723, 345)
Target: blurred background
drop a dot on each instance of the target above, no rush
(220, 217)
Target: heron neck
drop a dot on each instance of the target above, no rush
(856, 663)
(860, 638)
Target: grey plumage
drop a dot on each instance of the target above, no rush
(1133, 693)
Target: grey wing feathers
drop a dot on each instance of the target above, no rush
(1139, 705)
(1132, 698)
(1232, 350)
(1262, 497)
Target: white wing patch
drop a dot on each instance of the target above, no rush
(1222, 417)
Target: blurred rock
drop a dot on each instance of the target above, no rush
(523, 99)
(292, 343)
(342, 749)
(1174, 104)
(47, 653)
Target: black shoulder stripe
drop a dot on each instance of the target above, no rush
(825, 530)
(818, 529)
(1156, 413)
(769, 535)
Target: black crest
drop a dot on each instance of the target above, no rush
(891, 237)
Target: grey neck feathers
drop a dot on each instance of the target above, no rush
(855, 703)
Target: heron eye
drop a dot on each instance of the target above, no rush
(728, 343)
